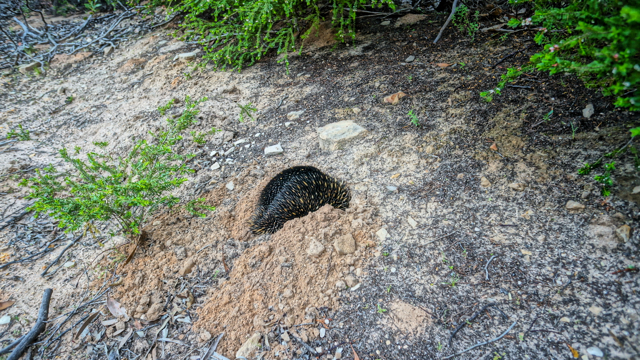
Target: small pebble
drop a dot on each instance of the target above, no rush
(230, 186)
(322, 332)
(595, 351)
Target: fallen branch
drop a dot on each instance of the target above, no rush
(473, 317)
(453, 11)
(486, 267)
(39, 327)
(59, 256)
(46, 250)
(483, 343)
(8, 348)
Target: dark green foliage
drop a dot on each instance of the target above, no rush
(294, 193)
(125, 189)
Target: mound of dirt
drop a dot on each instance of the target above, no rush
(287, 278)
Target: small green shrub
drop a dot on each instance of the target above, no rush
(22, 134)
(237, 33)
(125, 189)
(461, 20)
(245, 112)
(414, 118)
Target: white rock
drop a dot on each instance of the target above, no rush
(287, 124)
(69, 264)
(315, 248)
(214, 153)
(412, 222)
(108, 50)
(341, 285)
(356, 287)
(229, 151)
(295, 114)
(322, 332)
(385, 23)
(273, 150)
(382, 234)
(285, 336)
(334, 136)
(5, 320)
(249, 348)
(624, 233)
(230, 185)
(215, 166)
(186, 56)
(588, 111)
(636, 190)
(595, 351)
(574, 205)
(241, 141)
(410, 59)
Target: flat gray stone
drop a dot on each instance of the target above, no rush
(385, 23)
(215, 166)
(250, 347)
(595, 351)
(588, 111)
(574, 205)
(230, 186)
(336, 135)
(108, 50)
(410, 59)
(186, 56)
(294, 115)
(273, 150)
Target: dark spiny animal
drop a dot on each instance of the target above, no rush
(294, 193)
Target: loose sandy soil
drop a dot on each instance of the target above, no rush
(448, 204)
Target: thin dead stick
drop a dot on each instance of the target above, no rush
(39, 327)
(440, 238)
(486, 267)
(453, 11)
(309, 348)
(473, 317)
(59, 256)
(512, 54)
(46, 250)
(483, 343)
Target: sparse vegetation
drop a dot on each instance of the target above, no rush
(127, 190)
(22, 134)
(246, 112)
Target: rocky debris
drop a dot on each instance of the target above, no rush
(181, 253)
(287, 293)
(392, 188)
(412, 222)
(596, 310)
(215, 166)
(285, 337)
(340, 285)
(624, 233)
(26, 68)
(249, 348)
(69, 264)
(222, 137)
(518, 186)
(187, 267)
(595, 351)
(394, 99)
(108, 50)
(385, 23)
(230, 186)
(350, 280)
(636, 190)
(334, 136)
(62, 60)
(5, 320)
(382, 234)
(204, 336)
(190, 56)
(154, 312)
(484, 182)
(410, 19)
(410, 59)
(345, 244)
(294, 115)
(574, 206)
(588, 111)
(273, 150)
(315, 248)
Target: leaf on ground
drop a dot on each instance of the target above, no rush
(494, 147)
(355, 354)
(574, 352)
(86, 323)
(443, 65)
(6, 304)
(395, 176)
(115, 309)
(4, 257)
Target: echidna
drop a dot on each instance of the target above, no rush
(294, 193)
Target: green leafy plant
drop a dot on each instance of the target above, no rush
(198, 137)
(381, 310)
(126, 189)
(461, 20)
(245, 112)
(593, 39)
(454, 280)
(414, 118)
(605, 178)
(22, 134)
(69, 99)
(439, 346)
(239, 33)
(92, 6)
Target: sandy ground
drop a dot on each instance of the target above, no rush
(432, 206)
